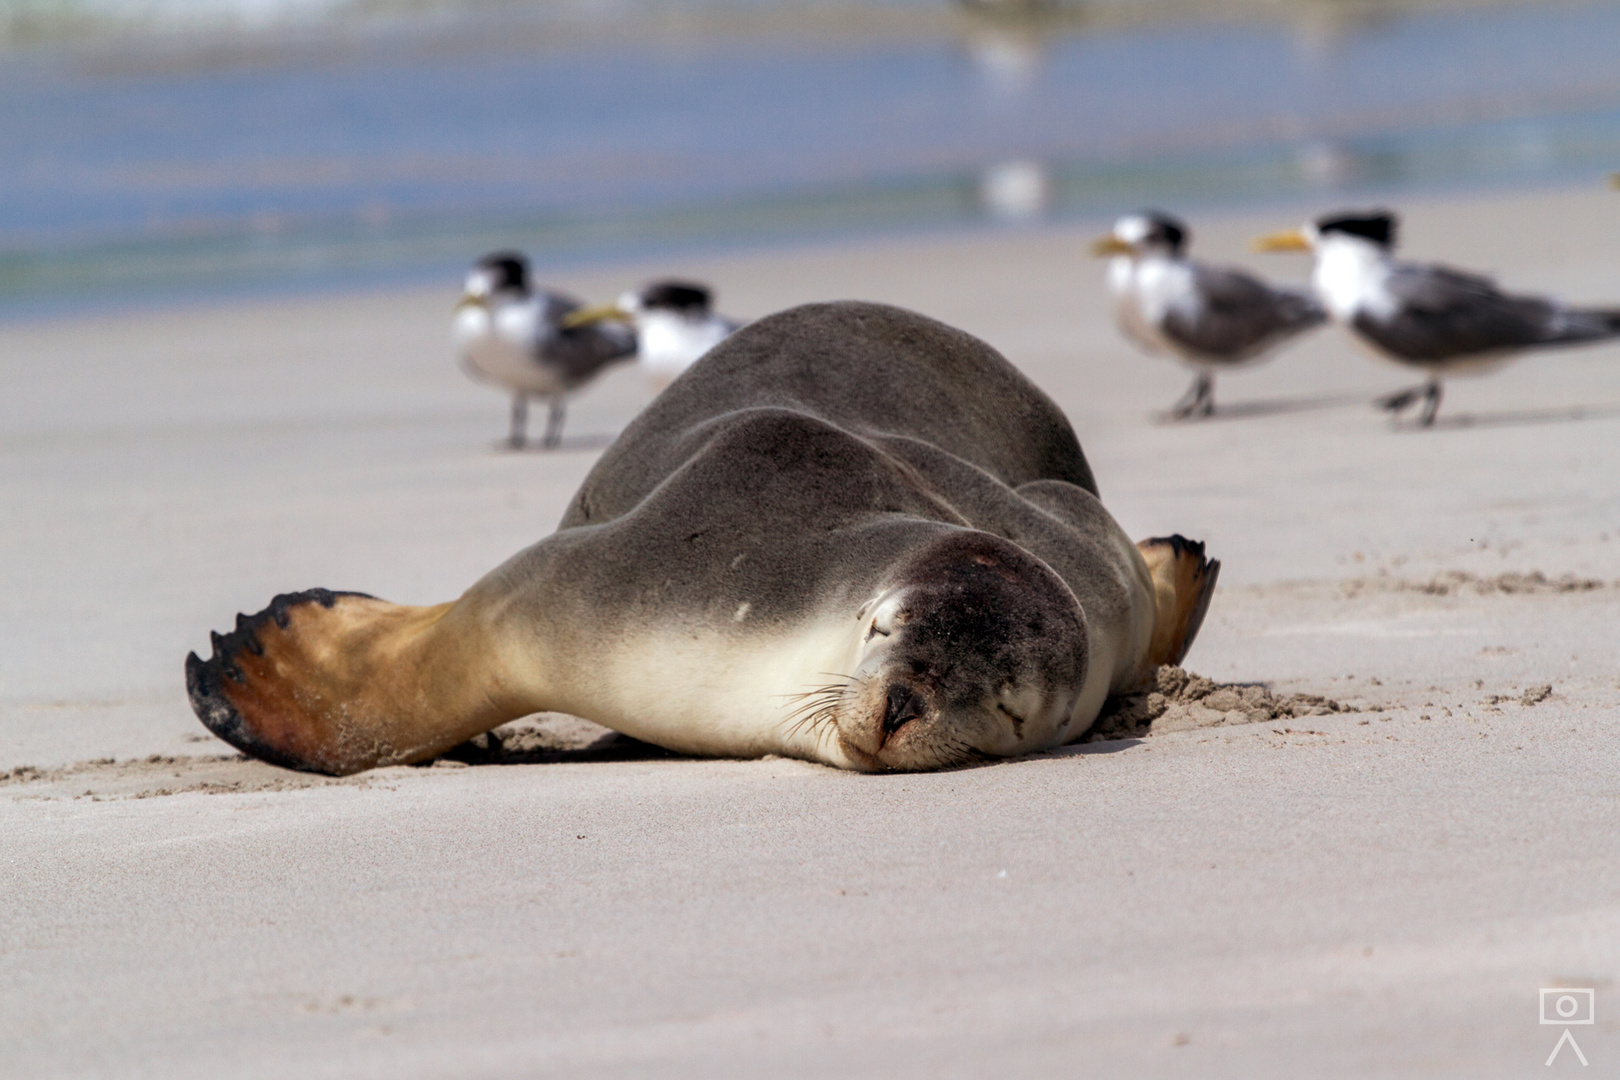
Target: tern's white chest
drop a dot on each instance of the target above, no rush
(1147, 291)
(1351, 277)
(501, 344)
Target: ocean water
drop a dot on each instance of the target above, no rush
(178, 147)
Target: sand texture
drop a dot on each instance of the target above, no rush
(1376, 812)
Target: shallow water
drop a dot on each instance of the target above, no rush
(401, 147)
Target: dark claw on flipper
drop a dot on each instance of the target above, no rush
(205, 679)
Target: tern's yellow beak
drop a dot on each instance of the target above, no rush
(1292, 240)
(585, 316)
(1104, 246)
(1614, 180)
(467, 300)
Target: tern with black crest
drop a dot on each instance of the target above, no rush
(1210, 318)
(515, 337)
(675, 324)
(1424, 315)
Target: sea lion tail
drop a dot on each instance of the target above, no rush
(1183, 582)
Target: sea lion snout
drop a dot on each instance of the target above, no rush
(902, 705)
(981, 653)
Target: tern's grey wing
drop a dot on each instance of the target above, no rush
(1240, 315)
(1442, 313)
(579, 353)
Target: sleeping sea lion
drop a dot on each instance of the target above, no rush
(849, 533)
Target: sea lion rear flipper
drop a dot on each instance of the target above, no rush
(1183, 582)
(338, 682)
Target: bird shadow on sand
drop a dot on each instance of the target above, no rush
(575, 443)
(1512, 418)
(1248, 410)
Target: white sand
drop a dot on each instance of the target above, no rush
(1369, 894)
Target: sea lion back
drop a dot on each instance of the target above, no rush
(870, 369)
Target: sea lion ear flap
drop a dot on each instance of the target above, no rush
(1183, 582)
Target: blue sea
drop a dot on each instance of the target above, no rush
(181, 148)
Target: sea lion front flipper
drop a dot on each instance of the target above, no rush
(1183, 582)
(337, 682)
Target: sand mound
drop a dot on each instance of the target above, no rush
(1182, 701)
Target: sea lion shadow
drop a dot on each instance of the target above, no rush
(553, 739)
(1513, 418)
(1101, 746)
(1247, 410)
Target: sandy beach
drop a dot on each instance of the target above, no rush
(1376, 891)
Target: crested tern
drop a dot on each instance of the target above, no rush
(1208, 317)
(512, 336)
(675, 324)
(1425, 315)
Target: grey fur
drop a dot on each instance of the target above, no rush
(841, 485)
(806, 456)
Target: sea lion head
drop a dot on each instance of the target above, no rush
(973, 648)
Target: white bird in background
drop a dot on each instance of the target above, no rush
(1424, 315)
(516, 338)
(1210, 318)
(675, 324)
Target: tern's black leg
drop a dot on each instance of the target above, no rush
(1199, 400)
(554, 423)
(1403, 398)
(520, 421)
(1432, 403)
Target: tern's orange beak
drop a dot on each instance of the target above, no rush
(1104, 246)
(585, 316)
(1291, 240)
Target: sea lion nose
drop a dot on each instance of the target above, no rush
(904, 706)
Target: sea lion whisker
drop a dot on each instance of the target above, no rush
(835, 688)
(817, 708)
(813, 701)
(796, 719)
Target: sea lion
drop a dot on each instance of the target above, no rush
(850, 534)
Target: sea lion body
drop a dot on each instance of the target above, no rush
(849, 534)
